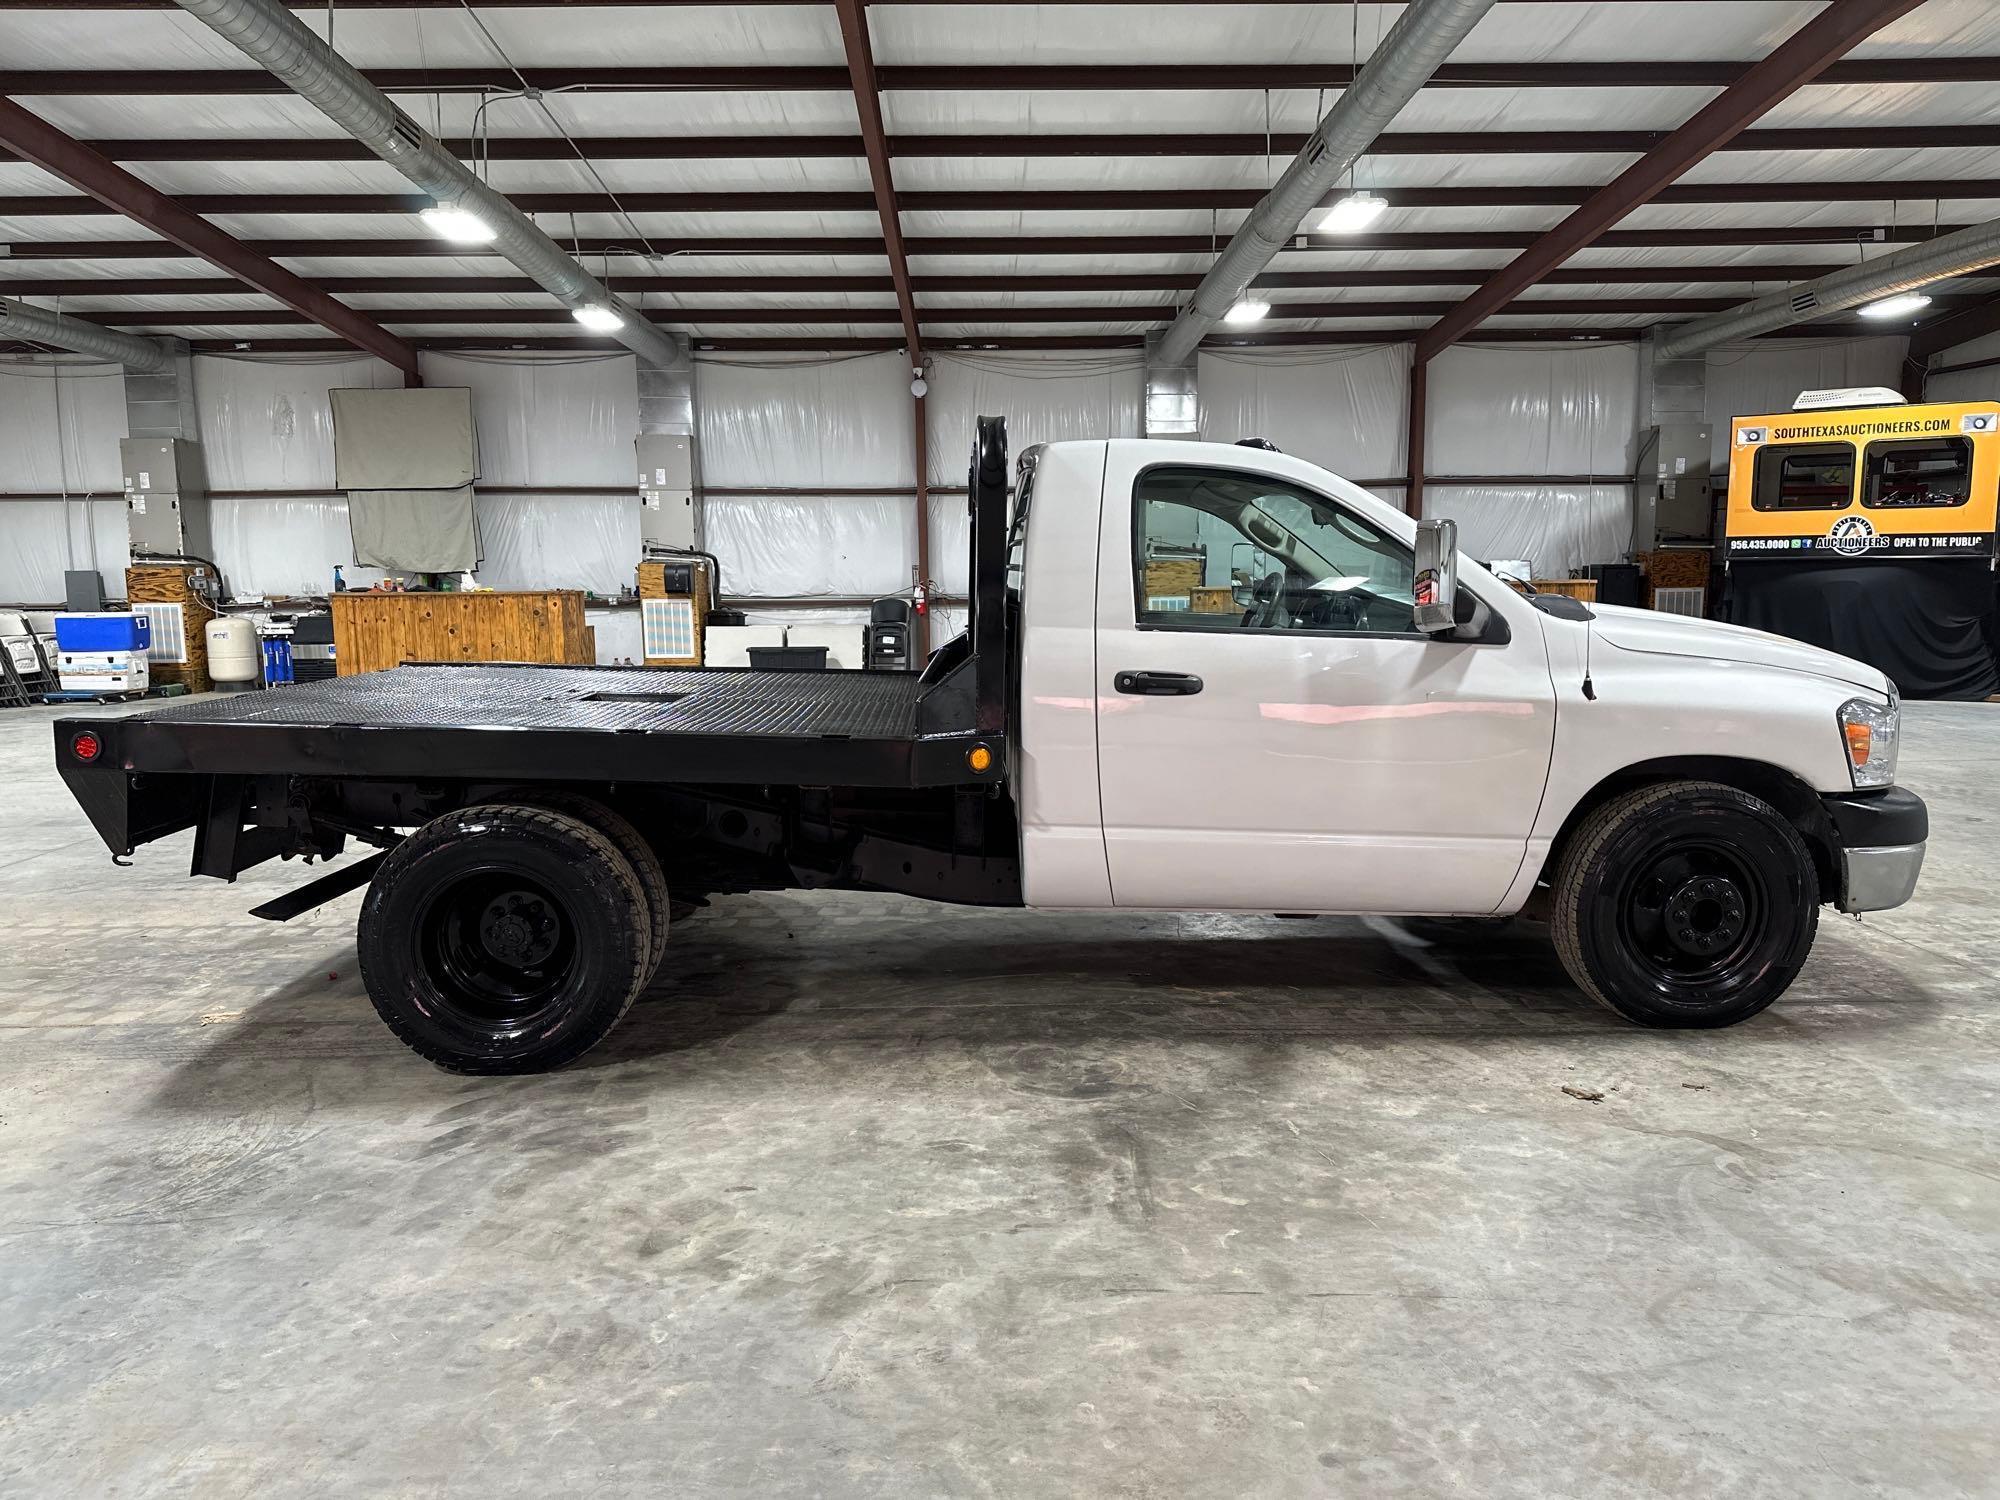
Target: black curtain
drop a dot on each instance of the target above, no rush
(1928, 622)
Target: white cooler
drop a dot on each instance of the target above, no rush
(103, 671)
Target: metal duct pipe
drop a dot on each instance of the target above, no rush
(1420, 40)
(267, 32)
(20, 321)
(1959, 253)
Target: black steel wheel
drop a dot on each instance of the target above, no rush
(1686, 903)
(504, 939)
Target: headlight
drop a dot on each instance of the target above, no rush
(1870, 731)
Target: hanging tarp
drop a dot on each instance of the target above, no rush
(1929, 624)
(414, 531)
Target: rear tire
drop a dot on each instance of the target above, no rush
(639, 854)
(504, 939)
(1685, 904)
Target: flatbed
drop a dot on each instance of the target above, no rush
(717, 725)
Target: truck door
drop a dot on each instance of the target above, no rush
(1273, 733)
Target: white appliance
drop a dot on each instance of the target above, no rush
(235, 654)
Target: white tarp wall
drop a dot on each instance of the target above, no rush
(1046, 398)
(266, 425)
(1500, 410)
(1748, 380)
(785, 441)
(1967, 385)
(60, 422)
(1344, 409)
(545, 424)
(798, 430)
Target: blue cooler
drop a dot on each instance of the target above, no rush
(104, 633)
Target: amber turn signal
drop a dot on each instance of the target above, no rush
(1860, 740)
(979, 758)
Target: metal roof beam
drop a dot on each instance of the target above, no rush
(998, 281)
(1848, 235)
(949, 77)
(972, 200)
(1804, 55)
(790, 147)
(159, 317)
(862, 81)
(35, 140)
(977, 342)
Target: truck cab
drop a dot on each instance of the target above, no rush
(1231, 699)
(1197, 677)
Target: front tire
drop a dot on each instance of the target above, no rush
(504, 939)
(1685, 904)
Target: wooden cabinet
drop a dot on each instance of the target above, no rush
(374, 631)
(180, 641)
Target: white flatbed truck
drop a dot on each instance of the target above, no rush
(1197, 677)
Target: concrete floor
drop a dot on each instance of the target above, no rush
(882, 1200)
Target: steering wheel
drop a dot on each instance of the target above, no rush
(1333, 611)
(1269, 612)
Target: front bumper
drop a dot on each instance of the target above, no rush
(1879, 838)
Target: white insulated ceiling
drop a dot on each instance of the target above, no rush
(995, 263)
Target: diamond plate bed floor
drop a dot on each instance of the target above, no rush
(716, 701)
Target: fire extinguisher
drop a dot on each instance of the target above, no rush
(920, 600)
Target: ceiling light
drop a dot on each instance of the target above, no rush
(1353, 213)
(598, 318)
(1248, 310)
(459, 225)
(1898, 306)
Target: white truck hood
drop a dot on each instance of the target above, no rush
(1677, 635)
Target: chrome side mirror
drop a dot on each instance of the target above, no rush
(1437, 577)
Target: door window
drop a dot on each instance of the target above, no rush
(1924, 472)
(1217, 549)
(1804, 478)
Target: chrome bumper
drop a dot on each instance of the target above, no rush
(1877, 879)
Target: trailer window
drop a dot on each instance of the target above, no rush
(1219, 549)
(1913, 473)
(1802, 478)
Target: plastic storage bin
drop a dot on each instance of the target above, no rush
(788, 658)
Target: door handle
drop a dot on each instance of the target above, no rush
(1158, 684)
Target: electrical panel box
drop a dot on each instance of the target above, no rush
(666, 489)
(1673, 490)
(166, 496)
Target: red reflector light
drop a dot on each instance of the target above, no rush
(86, 746)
